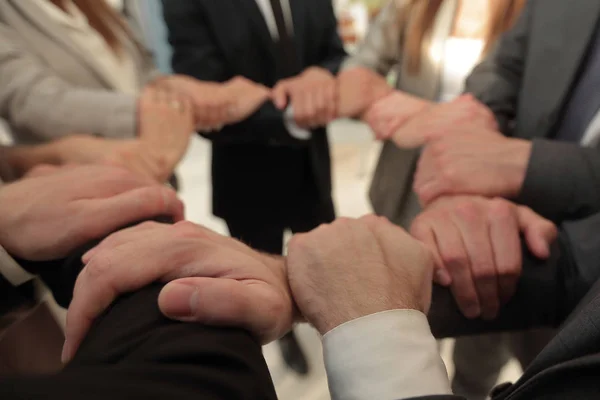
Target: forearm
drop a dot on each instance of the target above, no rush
(152, 357)
(21, 159)
(539, 300)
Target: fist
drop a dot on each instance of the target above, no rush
(357, 267)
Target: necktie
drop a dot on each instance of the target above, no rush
(584, 102)
(287, 59)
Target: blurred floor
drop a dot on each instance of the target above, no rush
(354, 157)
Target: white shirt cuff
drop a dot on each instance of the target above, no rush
(295, 131)
(13, 271)
(385, 356)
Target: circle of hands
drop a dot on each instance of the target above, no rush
(468, 238)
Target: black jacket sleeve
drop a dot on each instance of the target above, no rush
(547, 292)
(133, 352)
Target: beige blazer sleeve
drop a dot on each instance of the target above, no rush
(35, 99)
(381, 49)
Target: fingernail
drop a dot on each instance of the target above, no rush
(66, 355)
(442, 277)
(472, 311)
(179, 300)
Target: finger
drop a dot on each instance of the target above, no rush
(104, 278)
(475, 235)
(506, 245)
(332, 102)
(280, 95)
(42, 170)
(539, 232)
(425, 234)
(456, 261)
(305, 110)
(320, 99)
(219, 302)
(102, 217)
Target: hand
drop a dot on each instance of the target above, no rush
(353, 268)
(245, 98)
(312, 96)
(52, 213)
(133, 155)
(465, 114)
(210, 104)
(477, 247)
(358, 89)
(223, 282)
(389, 113)
(166, 124)
(482, 163)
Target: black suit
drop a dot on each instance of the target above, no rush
(146, 357)
(261, 175)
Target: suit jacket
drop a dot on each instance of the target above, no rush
(527, 81)
(150, 357)
(382, 51)
(258, 169)
(50, 88)
(562, 291)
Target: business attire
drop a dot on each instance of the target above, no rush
(445, 63)
(150, 357)
(267, 174)
(59, 77)
(399, 359)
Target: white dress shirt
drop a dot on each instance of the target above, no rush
(385, 356)
(118, 68)
(267, 12)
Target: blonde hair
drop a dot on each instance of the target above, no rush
(503, 15)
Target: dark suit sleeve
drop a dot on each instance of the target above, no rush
(133, 352)
(196, 53)
(562, 180)
(547, 292)
(496, 82)
(332, 48)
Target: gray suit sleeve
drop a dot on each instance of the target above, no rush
(562, 180)
(496, 82)
(34, 99)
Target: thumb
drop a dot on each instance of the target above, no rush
(539, 232)
(279, 96)
(221, 302)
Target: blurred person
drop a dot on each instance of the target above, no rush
(76, 66)
(272, 171)
(47, 216)
(547, 157)
(431, 46)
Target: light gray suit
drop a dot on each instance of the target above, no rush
(50, 88)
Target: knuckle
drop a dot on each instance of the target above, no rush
(99, 266)
(501, 209)
(484, 273)
(467, 210)
(455, 260)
